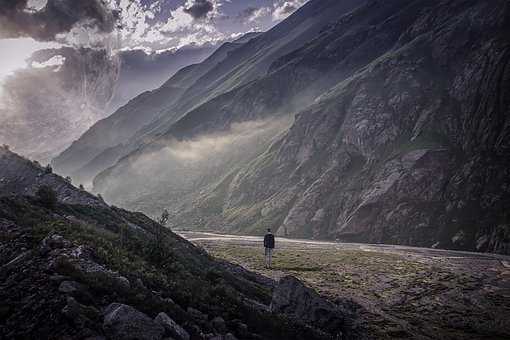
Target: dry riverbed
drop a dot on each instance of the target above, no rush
(405, 292)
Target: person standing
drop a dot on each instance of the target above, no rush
(269, 247)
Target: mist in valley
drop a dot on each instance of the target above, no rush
(162, 175)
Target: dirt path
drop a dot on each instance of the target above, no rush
(406, 292)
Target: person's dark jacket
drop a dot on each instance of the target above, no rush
(269, 241)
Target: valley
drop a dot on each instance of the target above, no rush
(362, 121)
(371, 137)
(406, 292)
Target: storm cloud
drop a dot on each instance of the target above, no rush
(199, 8)
(18, 19)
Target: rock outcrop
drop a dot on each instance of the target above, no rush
(293, 298)
(20, 176)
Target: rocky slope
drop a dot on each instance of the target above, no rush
(84, 270)
(400, 133)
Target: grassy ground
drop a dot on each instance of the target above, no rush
(405, 294)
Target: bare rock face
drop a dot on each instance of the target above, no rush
(125, 322)
(410, 148)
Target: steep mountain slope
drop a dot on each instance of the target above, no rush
(141, 72)
(233, 65)
(82, 269)
(400, 136)
(108, 139)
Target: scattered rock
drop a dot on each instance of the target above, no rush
(93, 274)
(172, 327)
(124, 322)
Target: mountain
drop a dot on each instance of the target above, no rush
(233, 64)
(82, 269)
(387, 124)
(141, 71)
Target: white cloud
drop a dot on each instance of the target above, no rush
(35, 5)
(55, 61)
(16, 51)
(283, 9)
(259, 13)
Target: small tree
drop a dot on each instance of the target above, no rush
(82, 187)
(163, 219)
(47, 196)
(158, 249)
(6, 147)
(48, 169)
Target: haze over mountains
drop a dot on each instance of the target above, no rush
(366, 121)
(65, 90)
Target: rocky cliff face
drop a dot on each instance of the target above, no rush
(400, 136)
(406, 150)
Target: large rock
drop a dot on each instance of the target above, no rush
(124, 322)
(172, 327)
(294, 299)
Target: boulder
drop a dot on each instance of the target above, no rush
(294, 299)
(76, 290)
(172, 328)
(124, 322)
(81, 315)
